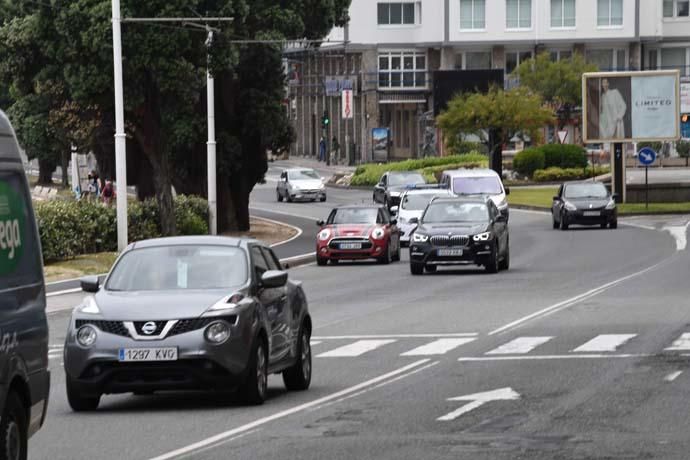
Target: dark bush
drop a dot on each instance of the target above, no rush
(528, 161)
(564, 156)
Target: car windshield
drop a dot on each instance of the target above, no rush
(456, 212)
(417, 202)
(487, 185)
(179, 268)
(305, 174)
(405, 179)
(586, 191)
(354, 216)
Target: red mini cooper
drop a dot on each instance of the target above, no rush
(358, 232)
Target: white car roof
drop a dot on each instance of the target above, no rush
(429, 191)
(478, 172)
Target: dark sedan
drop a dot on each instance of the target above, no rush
(460, 231)
(392, 185)
(188, 313)
(584, 203)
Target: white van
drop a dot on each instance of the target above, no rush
(24, 374)
(477, 182)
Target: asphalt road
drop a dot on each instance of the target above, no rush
(572, 353)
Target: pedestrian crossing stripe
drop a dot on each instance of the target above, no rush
(357, 348)
(605, 342)
(521, 345)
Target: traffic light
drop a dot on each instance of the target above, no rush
(325, 121)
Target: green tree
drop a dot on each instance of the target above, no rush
(558, 82)
(683, 149)
(496, 117)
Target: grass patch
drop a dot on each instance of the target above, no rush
(88, 264)
(542, 197)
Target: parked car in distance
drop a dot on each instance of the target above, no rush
(188, 313)
(468, 182)
(392, 185)
(24, 374)
(300, 184)
(584, 203)
(412, 204)
(355, 232)
(460, 231)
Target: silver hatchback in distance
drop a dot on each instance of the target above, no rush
(189, 313)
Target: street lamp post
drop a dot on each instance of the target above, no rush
(211, 144)
(120, 139)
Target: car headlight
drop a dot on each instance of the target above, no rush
(569, 206)
(419, 237)
(482, 236)
(89, 306)
(322, 186)
(395, 194)
(217, 332)
(502, 204)
(611, 204)
(227, 303)
(86, 335)
(378, 233)
(324, 234)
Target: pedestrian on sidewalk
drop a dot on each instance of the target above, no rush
(322, 149)
(336, 151)
(108, 192)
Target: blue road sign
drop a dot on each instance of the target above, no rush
(646, 156)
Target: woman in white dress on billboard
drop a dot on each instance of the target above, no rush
(612, 111)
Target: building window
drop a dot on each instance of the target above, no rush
(515, 58)
(397, 14)
(609, 13)
(562, 13)
(518, 14)
(560, 55)
(674, 58)
(676, 8)
(472, 14)
(473, 60)
(607, 59)
(402, 69)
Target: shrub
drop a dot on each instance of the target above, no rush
(464, 147)
(371, 173)
(555, 174)
(528, 161)
(564, 156)
(70, 228)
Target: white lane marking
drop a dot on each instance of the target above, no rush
(300, 256)
(53, 283)
(521, 345)
(681, 343)
(679, 233)
(438, 347)
(478, 400)
(293, 410)
(314, 342)
(672, 376)
(355, 349)
(574, 300)
(275, 222)
(604, 342)
(549, 357)
(643, 227)
(394, 336)
(63, 292)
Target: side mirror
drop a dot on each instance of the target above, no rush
(394, 221)
(556, 198)
(89, 284)
(414, 220)
(380, 185)
(501, 218)
(615, 197)
(507, 190)
(394, 209)
(320, 223)
(274, 279)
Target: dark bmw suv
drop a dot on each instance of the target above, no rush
(460, 231)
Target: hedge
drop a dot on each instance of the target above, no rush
(555, 174)
(371, 173)
(528, 161)
(71, 228)
(563, 156)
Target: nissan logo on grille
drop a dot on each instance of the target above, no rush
(149, 328)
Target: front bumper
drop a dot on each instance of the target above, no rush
(472, 254)
(307, 195)
(604, 216)
(199, 365)
(376, 249)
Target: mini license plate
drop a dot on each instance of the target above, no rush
(591, 213)
(350, 245)
(449, 252)
(147, 354)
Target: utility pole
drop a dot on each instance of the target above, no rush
(120, 139)
(211, 143)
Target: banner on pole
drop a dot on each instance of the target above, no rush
(347, 104)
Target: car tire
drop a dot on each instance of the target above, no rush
(288, 198)
(323, 199)
(321, 261)
(613, 224)
(253, 389)
(79, 402)
(563, 223)
(430, 268)
(373, 197)
(279, 197)
(554, 223)
(14, 429)
(493, 265)
(298, 377)
(396, 255)
(505, 263)
(387, 257)
(416, 269)
(385, 202)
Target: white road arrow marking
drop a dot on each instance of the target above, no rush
(478, 400)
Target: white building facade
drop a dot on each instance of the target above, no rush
(393, 48)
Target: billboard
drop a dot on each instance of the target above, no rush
(380, 141)
(685, 95)
(630, 106)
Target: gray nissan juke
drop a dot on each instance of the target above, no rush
(188, 313)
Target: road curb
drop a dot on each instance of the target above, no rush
(297, 261)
